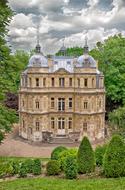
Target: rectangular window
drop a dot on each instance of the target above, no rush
(37, 105)
(52, 81)
(85, 105)
(70, 103)
(61, 82)
(85, 82)
(30, 82)
(37, 125)
(23, 103)
(52, 103)
(70, 123)
(78, 80)
(61, 104)
(61, 123)
(70, 82)
(37, 82)
(92, 82)
(84, 127)
(44, 82)
(52, 123)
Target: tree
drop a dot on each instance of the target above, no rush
(117, 119)
(114, 158)
(71, 168)
(111, 58)
(85, 157)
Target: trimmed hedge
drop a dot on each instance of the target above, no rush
(85, 157)
(53, 167)
(55, 153)
(36, 168)
(71, 167)
(114, 158)
(99, 154)
(22, 170)
(63, 156)
(6, 169)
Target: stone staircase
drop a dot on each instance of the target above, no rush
(61, 139)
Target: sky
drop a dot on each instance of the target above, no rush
(64, 20)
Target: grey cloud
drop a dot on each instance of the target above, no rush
(60, 18)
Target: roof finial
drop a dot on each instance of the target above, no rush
(38, 47)
(86, 48)
(63, 48)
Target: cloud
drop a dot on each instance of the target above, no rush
(60, 18)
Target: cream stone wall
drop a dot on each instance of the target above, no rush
(94, 94)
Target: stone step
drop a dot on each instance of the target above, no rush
(61, 140)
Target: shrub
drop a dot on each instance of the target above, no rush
(55, 153)
(114, 158)
(16, 167)
(85, 157)
(53, 167)
(70, 168)
(6, 169)
(99, 154)
(22, 170)
(66, 153)
(36, 168)
(29, 163)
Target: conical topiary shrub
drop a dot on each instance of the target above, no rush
(85, 157)
(114, 158)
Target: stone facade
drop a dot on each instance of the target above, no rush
(61, 102)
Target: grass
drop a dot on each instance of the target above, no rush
(63, 184)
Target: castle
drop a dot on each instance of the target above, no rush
(62, 97)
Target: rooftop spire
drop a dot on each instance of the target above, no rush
(38, 47)
(63, 48)
(86, 48)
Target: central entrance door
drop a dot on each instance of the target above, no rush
(61, 126)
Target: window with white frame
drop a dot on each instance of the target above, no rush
(61, 104)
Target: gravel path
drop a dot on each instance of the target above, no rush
(13, 145)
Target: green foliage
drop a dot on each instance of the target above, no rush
(30, 165)
(16, 167)
(74, 51)
(55, 153)
(114, 158)
(67, 153)
(6, 169)
(7, 118)
(22, 170)
(85, 157)
(71, 167)
(36, 167)
(117, 118)
(99, 154)
(53, 167)
(111, 59)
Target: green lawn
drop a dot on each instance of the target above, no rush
(63, 184)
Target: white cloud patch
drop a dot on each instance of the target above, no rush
(59, 18)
